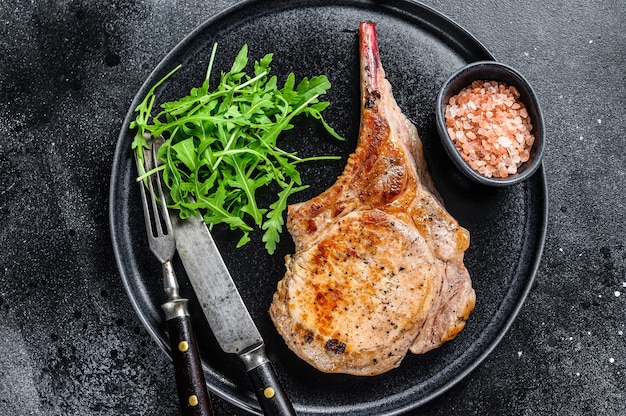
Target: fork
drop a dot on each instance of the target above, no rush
(191, 386)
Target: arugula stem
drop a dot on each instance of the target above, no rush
(150, 172)
(250, 81)
(211, 60)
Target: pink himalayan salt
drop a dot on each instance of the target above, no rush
(490, 127)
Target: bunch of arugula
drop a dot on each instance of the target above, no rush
(220, 147)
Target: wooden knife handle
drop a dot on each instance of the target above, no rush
(266, 385)
(192, 392)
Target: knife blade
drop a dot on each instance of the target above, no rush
(226, 312)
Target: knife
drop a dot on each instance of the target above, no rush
(226, 312)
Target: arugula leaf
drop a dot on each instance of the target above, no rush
(185, 152)
(274, 223)
(220, 145)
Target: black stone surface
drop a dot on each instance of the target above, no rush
(70, 342)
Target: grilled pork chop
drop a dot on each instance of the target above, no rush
(378, 268)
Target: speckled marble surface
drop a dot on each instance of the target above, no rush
(70, 342)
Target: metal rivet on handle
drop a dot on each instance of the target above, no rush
(193, 400)
(269, 392)
(183, 346)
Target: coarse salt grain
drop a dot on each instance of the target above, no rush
(490, 127)
(504, 141)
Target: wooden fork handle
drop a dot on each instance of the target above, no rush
(192, 392)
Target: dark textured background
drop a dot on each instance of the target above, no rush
(70, 342)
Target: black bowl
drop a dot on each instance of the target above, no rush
(492, 71)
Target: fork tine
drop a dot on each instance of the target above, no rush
(164, 210)
(155, 209)
(146, 210)
(153, 223)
